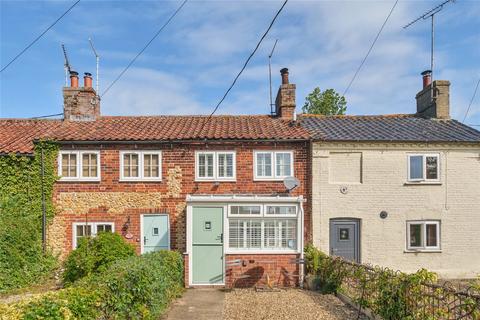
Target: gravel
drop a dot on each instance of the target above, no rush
(290, 304)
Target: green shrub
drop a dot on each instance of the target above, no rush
(139, 287)
(95, 254)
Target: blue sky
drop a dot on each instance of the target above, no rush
(191, 64)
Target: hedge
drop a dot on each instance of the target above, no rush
(139, 287)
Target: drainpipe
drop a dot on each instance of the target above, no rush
(44, 208)
(302, 239)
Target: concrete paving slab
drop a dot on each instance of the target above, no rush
(198, 304)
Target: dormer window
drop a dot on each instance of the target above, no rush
(79, 165)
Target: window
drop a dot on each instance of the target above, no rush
(79, 165)
(140, 165)
(282, 210)
(245, 210)
(278, 234)
(262, 227)
(81, 230)
(215, 165)
(273, 165)
(423, 167)
(423, 235)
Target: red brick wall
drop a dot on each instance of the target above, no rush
(180, 157)
(279, 269)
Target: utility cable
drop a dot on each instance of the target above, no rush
(369, 50)
(47, 116)
(244, 65)
(145, 47)
(471, 100)
(41, 35)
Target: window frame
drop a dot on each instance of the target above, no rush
(216, 176)
(263, 249)
(79, 165)
(272, 215)
(423, 224)
(94, 229)
(141, 173)
(424, 167)
(230, 215)
(274, 176)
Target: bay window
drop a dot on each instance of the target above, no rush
(273, 165)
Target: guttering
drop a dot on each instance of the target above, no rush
(243, 198)
(175, 141)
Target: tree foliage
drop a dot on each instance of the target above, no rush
(328, 103)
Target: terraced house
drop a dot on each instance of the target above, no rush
(401, 191)
(209, 187)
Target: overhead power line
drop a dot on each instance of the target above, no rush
(41, 35)
(145, 47)
(369, 50)
(48, 116)
(245, 64)
(471, 101)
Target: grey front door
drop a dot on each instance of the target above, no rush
(345, 239)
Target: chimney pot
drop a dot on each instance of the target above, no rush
(74, 79)
(427, 78)
(87, 80)
(284, 73)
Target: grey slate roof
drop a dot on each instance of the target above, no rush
(398, 128)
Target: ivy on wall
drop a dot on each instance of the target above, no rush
(22, 261)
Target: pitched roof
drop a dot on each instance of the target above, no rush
(399, 127)
(17, 135)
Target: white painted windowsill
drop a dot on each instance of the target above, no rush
(423, 251)
(419, 183)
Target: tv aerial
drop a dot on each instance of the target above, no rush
(291, 183)
(67, 66)
(97, 60)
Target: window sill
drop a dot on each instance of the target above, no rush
(215, 180)
(423, 251)
(140, 180)
(417, 183)
(78, 180)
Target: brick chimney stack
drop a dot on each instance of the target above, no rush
(434, 99)
(285, 101)
(80, 103)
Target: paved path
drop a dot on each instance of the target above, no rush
(198, 304)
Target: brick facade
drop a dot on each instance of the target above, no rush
(123, 203)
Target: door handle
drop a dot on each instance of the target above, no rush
(144, 240)
(221, 237)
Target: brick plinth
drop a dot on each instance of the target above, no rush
(278, 269)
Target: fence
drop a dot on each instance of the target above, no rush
(418, 296)
(394, 295)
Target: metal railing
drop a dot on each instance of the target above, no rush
(369, 287)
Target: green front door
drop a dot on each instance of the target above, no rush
(155, 232)
(207, 245)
